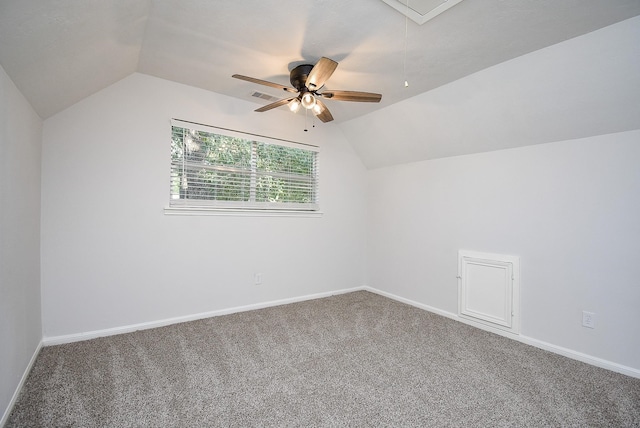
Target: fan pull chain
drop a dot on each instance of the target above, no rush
(406, 38)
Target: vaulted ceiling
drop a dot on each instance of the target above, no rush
(59, 52)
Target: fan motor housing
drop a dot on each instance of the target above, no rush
(298, 76)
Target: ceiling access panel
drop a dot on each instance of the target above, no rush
(421, 11)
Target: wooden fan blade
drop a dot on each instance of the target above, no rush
(325, 114)
(363, 97)
(320, 72)
(264, 82)
(275, 104)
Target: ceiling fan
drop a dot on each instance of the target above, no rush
(308, 80)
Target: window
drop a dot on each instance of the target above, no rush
(219, 168)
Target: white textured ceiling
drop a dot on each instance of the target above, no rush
(58, 52)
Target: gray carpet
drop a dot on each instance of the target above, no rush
(355, 359)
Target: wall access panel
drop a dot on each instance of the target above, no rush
(489, 289)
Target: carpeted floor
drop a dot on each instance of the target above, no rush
(355, 359)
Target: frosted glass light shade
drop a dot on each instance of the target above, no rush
(308, 100)
(294, 105)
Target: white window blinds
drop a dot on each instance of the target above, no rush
(220, 168)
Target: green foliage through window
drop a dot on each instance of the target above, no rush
(210, 169)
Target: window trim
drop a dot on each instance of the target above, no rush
(205, 211)
(265, 209)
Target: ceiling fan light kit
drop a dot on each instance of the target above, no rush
(308, 80)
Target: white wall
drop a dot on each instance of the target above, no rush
(20, 322)
(569, 209)
(112, 258)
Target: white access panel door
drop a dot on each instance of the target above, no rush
(489, 289)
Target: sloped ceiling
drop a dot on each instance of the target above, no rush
(582, 87)
(59, 52)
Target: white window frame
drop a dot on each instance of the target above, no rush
(252, 208)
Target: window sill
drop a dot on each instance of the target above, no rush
(200, 211)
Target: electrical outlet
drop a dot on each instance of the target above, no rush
(257, 278)
(588, 319)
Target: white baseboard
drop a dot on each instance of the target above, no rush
(77, 337)
(23, 379)
(413, 303)
(575, 355)
(595, 361)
